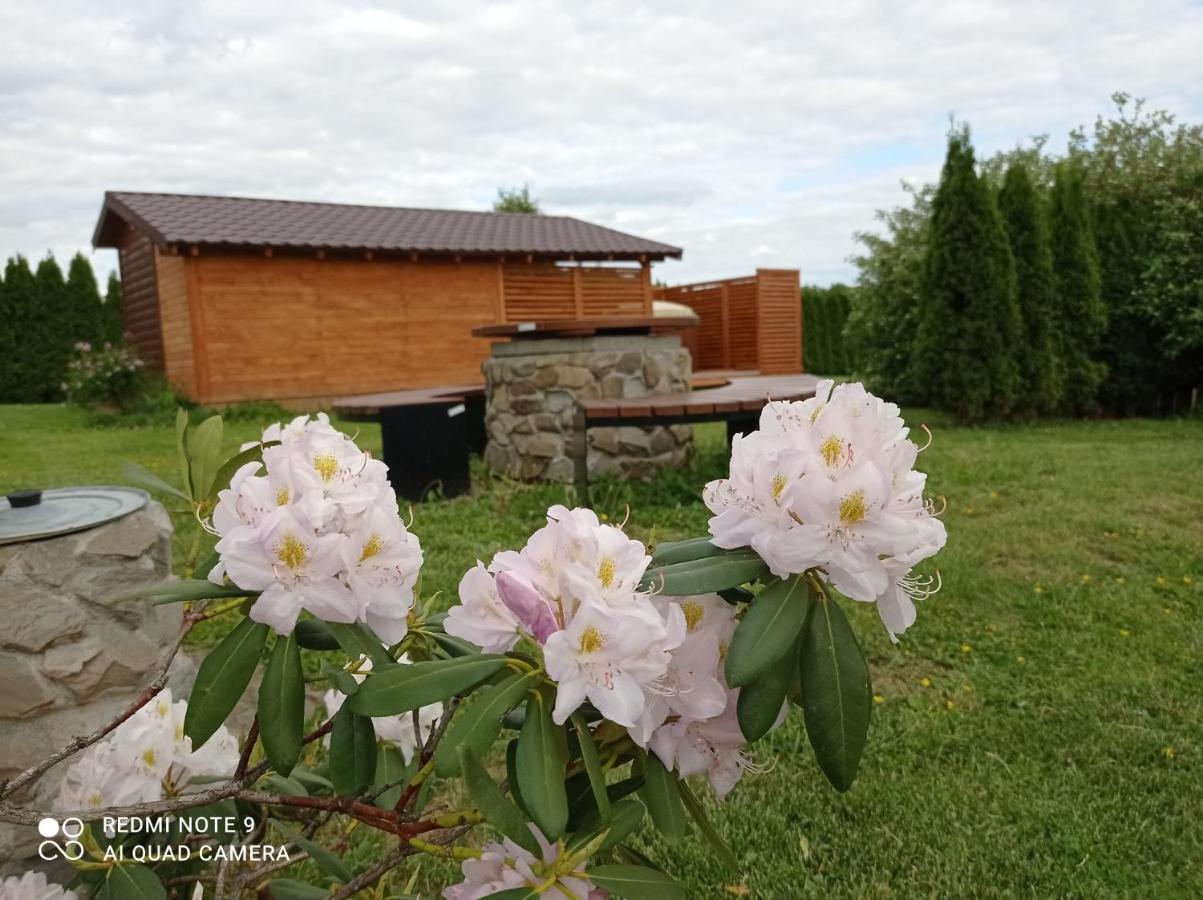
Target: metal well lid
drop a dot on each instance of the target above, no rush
(66, 510)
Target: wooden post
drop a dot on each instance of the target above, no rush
(647, 288)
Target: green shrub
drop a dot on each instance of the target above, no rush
(109, 378)
(825, 315)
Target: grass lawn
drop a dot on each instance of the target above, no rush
(1039, 731)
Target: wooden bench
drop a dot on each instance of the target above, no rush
(427, 435)
(738, 403)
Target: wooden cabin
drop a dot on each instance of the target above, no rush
(237, 299)
(752, 323)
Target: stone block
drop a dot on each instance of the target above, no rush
(33, 617)
(547, 422)
(630, 363)
(574, 377)
(661, 441)
(522, 388)
(561, 469)
(23, 688)
(601, 363)
(653, 371)
(633, 388)
(604, 439)
(612, 385)
(544, 446)
(547, 376)
(633, 440)
(529, 405)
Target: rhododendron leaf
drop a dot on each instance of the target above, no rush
(282, 705)
(725, 854)
(518, 893)
(670, 552)
(281, 785)
(836, 693)
(342, 680)
(352, 753)
(511, 771)
(636, 882)
(131, 881)
(148, 479)
(454, 647)
(704, 576)
(181, 429)
(582, 807)
(768, 630)
(760, 702)
(625, 816)
(357, 640)
(399, 689)
(187, 589)
(661, 789)
(291, 889)
(390, 770)
(313, 634)
(203, 444)
(478, 722)
(222, 679)
(542, 758)
(597, 778)
(497, 808)
(326, 859)
(225, 474)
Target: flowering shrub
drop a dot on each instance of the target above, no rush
(107, 377)
(610, 672)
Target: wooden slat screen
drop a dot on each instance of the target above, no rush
(537, 291)
(611, 292)
(780, 321)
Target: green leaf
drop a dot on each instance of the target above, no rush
(478, 723)
(518, 893)
(291, 889)
(511, 772)
(453, 646)
(131, 881)
(314, 634)
(769, 629)
(672, 552)
(760, 702)
(352, 753)
(181, 431)
(390, 769)
(636, 883)
(310, 779)
(203, 444)
(400, 689)
(497, 808)
(340, 679)
(222, 479)
(597, 778)
(222, 679)
(187, 589)
(148, 479)
(279, 784)
(357, 640)
(542, 759)
(836, 693)
(625, 816)
(704, 576)
(282, 705)
(662, 793)
(725, 854)
(328, 861)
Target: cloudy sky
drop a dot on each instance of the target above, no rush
(751, 134)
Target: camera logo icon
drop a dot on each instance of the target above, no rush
(67, 846)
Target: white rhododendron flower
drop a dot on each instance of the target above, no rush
(317, 530)
(398, 730)
(828, 483)
(33, 886)
(573, 591)
(146, 758)
(506, 865)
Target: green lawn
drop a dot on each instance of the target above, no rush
(1040, 730)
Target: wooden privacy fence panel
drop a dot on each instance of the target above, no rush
(537, 292)
(754, 322)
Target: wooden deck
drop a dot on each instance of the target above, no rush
(739, 396)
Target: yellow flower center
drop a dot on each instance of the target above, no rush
(291, 551)
(832, 449)
(149, 756)
(605, 572)
(282, 497)
(852, 508)
(592, 640)
(778, 487)
(371, 548)
(694, 613)
(326, 465)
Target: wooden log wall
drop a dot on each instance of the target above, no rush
(139, 298)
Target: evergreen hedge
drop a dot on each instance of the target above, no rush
(824, 317)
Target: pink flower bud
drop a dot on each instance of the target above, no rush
(523, 599)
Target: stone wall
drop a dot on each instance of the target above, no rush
(532, 385)
(73, 653)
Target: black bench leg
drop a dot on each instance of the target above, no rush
(426, 446)
(580, 456)
(739, 426)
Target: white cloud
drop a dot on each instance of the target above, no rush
(750, 133)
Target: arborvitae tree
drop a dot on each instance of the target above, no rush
(112, 328)
(83, 300)
(52, 334)
(17, 373)
(1083, 318)
(970, 332)
(1023, 216)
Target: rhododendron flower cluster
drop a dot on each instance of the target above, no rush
(829, 483)
(33, 886)
(397, 730)
(639, 658)
(146, 758)
(317, 530)
(506, 865)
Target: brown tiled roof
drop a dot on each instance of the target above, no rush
(239, 222)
